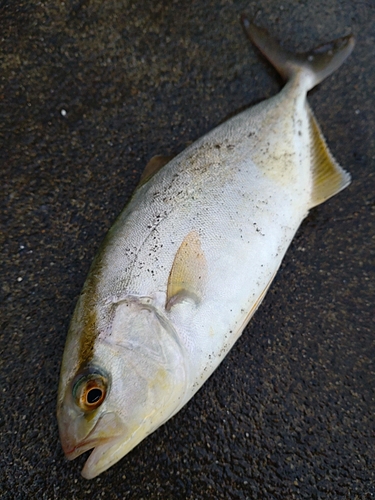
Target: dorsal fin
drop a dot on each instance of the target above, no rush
(188, 274)
(328, 177)
(154, 165)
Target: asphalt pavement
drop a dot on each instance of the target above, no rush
(90, 91)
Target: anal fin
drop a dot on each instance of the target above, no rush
(328, 177)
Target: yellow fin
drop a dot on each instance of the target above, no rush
(188, 274)
(154, 165)
(328, 177)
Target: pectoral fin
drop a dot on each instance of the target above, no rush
(328, 177)
(188, 274)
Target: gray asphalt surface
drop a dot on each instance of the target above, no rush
(90, 91)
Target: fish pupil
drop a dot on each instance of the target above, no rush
(94, 395)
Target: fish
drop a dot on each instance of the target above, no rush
(189, 260)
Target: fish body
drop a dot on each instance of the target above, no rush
(189, 260)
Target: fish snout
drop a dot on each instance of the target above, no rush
(77, 437)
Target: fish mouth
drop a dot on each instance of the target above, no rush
(107, 449)
(110, 439)
(101, 458)
(104, 439)
(87, 445)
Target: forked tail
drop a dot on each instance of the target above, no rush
(314, 65)
(310, 69)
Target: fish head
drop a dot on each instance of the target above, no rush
(133, 380)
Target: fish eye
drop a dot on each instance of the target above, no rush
(90, 389)
(94, 395)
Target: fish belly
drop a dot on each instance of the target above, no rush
(244, 239)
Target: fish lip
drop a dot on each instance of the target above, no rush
(93, 466)
(86, 445)
(108, 424)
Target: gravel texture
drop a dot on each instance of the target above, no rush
(92, 89)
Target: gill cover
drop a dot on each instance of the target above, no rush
(135, 381)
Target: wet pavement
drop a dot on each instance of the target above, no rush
(90, 90)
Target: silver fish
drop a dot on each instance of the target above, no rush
(189, 260)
